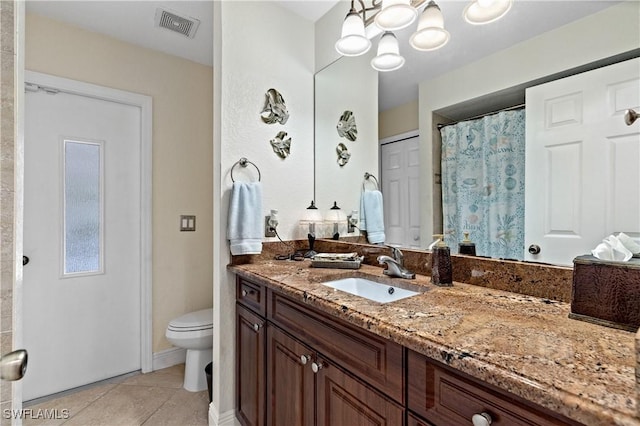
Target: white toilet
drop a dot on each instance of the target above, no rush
(194, 332)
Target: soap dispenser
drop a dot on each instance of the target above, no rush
(441, 274)
(466, 246)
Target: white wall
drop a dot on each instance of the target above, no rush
(258, 46)
(613, 31)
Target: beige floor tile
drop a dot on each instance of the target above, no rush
(171, 377)
(127, 405)
(72, 403)
(184, 408)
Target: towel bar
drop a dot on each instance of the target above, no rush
(368, 175)
(243, 162)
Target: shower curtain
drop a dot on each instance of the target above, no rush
(483, 184)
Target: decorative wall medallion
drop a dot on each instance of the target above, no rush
(347, 126)
(274, 110)
(343, 154)
(280, 145)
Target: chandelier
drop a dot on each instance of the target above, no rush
(393, 15)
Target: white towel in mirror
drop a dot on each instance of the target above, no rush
(372, 216)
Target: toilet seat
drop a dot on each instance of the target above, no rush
(193, 321)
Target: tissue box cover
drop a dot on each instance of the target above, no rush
(606, 292)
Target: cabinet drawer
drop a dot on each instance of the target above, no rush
(446, 398)
(362, 353)
(251, 295)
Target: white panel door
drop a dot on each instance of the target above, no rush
(582, 173)
(401, 190)
(82, 234)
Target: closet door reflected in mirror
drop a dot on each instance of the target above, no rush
(400, 174)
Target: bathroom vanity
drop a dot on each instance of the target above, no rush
(308, 354)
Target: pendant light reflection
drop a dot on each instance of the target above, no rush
(353, 41)
(430, 34)
(480, 12)
(395, 15)
(388, 57)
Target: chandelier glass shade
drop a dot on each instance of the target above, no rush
(480, 12)
(388, 57)
(430, 34)
(353, 41)
(395, 15)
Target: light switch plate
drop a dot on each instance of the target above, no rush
(187, 223)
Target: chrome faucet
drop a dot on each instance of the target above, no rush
(395, 264)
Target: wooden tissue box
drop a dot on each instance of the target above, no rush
(606, 293)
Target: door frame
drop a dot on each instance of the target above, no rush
(145, 104)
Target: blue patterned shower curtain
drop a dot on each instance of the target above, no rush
(483, 184)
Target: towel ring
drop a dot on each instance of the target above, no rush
(368, 175)
(244, 162)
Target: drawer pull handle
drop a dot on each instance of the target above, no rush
(304, 359)
(244, 293)
(482, 419)
(315, 367)
(256, 327)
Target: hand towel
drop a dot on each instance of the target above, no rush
(372, 216)
(244, 224)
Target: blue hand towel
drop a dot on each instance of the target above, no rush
(244, 224)
(372, 216)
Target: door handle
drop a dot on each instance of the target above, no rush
(534, 249)
(13, 365)
(25, 260)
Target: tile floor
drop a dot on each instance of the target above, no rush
(153, 399)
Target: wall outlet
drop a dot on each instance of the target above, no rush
(268, 230)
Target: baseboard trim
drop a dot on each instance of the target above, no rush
(225, 419)
(169, 358)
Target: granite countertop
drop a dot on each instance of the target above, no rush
(523, 344)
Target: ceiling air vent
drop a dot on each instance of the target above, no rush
(173, 21)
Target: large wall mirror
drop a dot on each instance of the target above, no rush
(347, 85)
(463, 97)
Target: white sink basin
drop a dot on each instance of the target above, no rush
(377, 292)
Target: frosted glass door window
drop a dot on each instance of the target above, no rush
(82, 207)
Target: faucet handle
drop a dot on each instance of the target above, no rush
(396, 253)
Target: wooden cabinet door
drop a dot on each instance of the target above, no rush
(343, 400)
(250, 367)
(290, 381)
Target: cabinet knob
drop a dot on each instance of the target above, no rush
(482, 419)
(256, 327)
(244, 293)
(304, 359)
(315, 367)
(534, 249)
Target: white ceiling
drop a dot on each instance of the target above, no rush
(133, 21)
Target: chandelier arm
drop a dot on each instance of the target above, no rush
(375, 5)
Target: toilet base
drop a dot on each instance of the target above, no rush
(195, 379)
